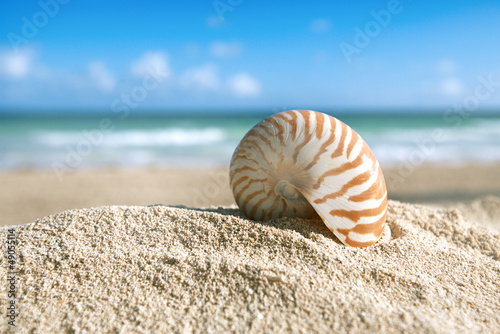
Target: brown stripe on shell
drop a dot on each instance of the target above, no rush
(357, 244)
(340, 146)
(265, 140)
(255, 133)
(245, 157)
(307, 136)
(257, 146)
(375, 228)
(244, 168)
(273, 207)
(376, 190)
(234, 172)
(240, 180)
(267, 129)
(339, 170)
(284, 207)
(256, 207)
(352, 143)
(279, 128)
(248, 185)
(320, 120)
(355, 181)
(292, 122)
(324, 146)
(249, 198)
(356, 215)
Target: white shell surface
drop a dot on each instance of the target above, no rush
(302, 163)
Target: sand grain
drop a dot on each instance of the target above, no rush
(158, 268)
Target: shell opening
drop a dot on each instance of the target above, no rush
(287, 190)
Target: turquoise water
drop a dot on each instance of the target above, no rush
(209, 139)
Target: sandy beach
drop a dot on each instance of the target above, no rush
(31, 194)
(166, 250)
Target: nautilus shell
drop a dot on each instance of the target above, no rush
(303, 163)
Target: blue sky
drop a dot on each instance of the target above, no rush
(244, 54)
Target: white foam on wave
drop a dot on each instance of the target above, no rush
(160, 137)
(477, 141)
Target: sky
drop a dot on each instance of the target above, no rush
(242, 54)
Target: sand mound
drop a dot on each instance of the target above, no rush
(144, 269)
(484, 210)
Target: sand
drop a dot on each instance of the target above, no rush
(31, 194)
(484, 211)
(167, 269)
(128, 265)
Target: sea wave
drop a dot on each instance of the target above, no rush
(159, 137)
(476, 141)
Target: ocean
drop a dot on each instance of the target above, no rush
(207, 139)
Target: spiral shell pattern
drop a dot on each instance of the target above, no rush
(303, 163)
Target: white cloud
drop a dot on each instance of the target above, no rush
(101, 76)
(451, 86)
(204, 77)
(244, 85)
(59, 85)
(320, 26)
(225, 49)
(16, 65)
(155, 61)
